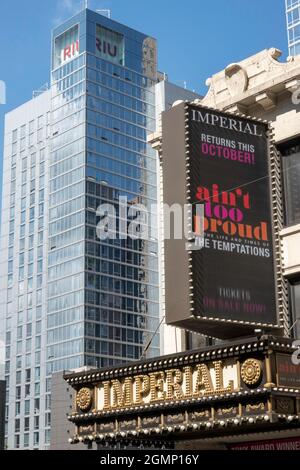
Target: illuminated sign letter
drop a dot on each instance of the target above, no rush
(203, 381)
(142, 387)
(157, 386)
(174, 379)
(122, 393)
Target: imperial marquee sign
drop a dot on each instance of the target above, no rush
(178, 397)
(179, 383)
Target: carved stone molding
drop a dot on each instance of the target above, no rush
(293, 85)
(236, 78)
(267, 100)
(237, 108)
(256, 80)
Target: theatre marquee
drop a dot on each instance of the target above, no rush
(225, 390)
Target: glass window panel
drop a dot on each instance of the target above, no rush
(291, 182)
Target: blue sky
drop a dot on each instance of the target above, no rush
(196, 38)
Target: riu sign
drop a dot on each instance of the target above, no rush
(70, 51)
(105, 47)
(66, 46)
(110, 45)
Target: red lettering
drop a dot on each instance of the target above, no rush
(202, 194)
(67, 52)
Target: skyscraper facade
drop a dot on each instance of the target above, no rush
(292, 8)
(102, 294)
(70, 298)
(23, 268)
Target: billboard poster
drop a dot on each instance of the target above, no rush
(288, 373)
(233, 273)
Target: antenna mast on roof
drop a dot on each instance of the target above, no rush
(107, 12)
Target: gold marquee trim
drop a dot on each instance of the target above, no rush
(84, 399)
(251, 371)
(215, 390)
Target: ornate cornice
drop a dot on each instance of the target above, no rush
(255, 81)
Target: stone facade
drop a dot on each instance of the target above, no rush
(263, 87)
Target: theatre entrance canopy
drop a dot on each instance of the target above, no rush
(249, 386)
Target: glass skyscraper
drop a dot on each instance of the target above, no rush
(102, 295)
(23, 272)
(68, 297)
(293, 26)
